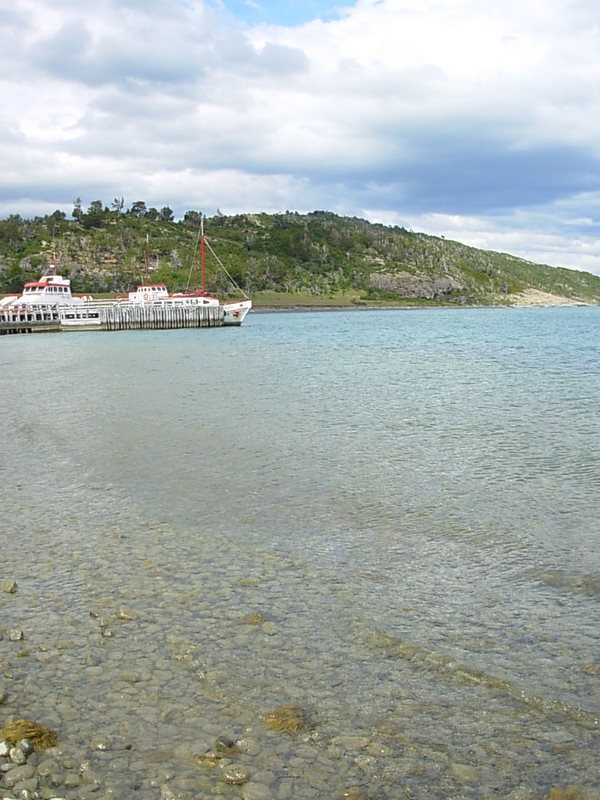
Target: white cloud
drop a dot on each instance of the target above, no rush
(471, 118)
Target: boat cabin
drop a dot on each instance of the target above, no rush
(149, 292)
(50, 288)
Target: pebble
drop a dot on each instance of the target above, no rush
(9, 587)
(18, 755)
(130, 677)
(18, 774)
(250, 746)
(29, 775)
(72, 780)
(256, 791)
(379, 750)
(270, 628)
(464, 773)
(233, 774)
(351, 742)
(101, 743)
(366, 763)
(169, 687)
(47, 766)
(85, 792)
(225, 744)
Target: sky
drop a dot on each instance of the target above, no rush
(476, 120)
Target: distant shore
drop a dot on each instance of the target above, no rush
(530, 298)
(535, 298)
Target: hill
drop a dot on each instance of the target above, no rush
(279, 259)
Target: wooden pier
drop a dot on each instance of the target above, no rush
(111, 317)
(142, 316)
(29, 327)
(29, 321)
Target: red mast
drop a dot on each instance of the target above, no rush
(202, 253)
(147, 262)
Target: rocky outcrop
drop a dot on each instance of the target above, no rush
(403, 283)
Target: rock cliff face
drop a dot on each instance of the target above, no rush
(407, 285)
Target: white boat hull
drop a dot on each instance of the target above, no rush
(235, 313)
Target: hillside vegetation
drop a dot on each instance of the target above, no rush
(278, 259)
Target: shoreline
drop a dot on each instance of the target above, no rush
(552, 301)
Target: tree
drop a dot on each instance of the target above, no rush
(12, 231)
(117, 204)
(54, 221)
(95, 215)
(166, 214)
(192, 218)
(138, 209)
(77, 210)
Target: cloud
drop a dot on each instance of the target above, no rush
(472, 117)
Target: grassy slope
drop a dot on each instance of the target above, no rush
(317, 259)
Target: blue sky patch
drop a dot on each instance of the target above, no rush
(288, 12)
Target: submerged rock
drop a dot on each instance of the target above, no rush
(225, 744)
(233, 774)
(18, 774)
(464, 773)
(256, 791)
(566, 793)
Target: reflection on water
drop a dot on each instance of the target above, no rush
(386, 519)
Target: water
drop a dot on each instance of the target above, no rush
(384, 519)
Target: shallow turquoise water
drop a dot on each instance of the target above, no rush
(410, 499)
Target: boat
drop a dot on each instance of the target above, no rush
(50, 290)
(234, 312)
(158, 294)
(49, 301)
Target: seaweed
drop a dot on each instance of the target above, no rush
(40, 738)
(288, 719)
